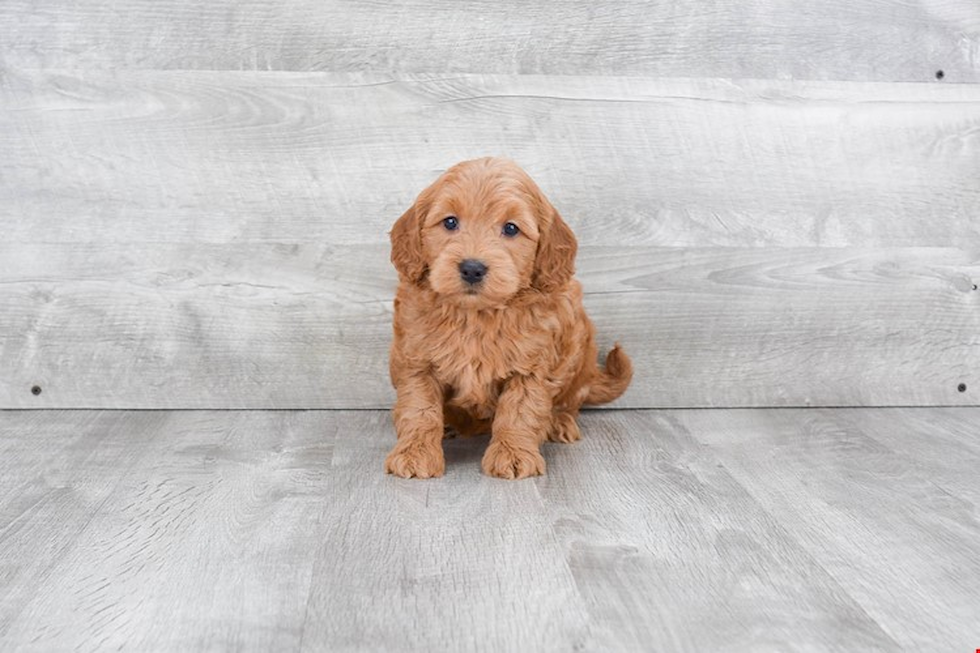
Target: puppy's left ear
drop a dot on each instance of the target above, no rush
(554, 264)
(406, 246)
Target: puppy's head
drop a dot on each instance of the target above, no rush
(481, 233)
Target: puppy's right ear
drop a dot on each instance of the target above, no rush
(406, 246)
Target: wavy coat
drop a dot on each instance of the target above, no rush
(512, 353)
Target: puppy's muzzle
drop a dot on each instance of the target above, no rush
(472, 271)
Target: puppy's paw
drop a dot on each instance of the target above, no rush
(564, 429)
(503, 461)
(411, 458)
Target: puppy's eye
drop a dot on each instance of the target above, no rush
(511, 229)
(451, 223)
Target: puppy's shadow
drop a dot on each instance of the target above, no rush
(464, 449)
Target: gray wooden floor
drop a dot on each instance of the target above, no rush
(815, 529)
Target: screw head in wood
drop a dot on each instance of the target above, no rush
(36, 390)
(961, 387)
(940, 74)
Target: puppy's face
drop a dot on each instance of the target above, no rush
(481, 233)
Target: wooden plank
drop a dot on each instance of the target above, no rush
(57, 471)
(941, 443)
(290, 326)
(793, 327)
(196, 326)
(206, 543)
(876, 520)
(777, 38)
(335, 158)
(672, 554)
(462, 562)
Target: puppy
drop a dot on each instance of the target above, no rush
(490, 334)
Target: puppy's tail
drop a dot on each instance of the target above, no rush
(611, 382)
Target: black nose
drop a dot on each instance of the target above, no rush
(472, 271)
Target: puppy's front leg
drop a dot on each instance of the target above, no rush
(520, 425)
(419, 425)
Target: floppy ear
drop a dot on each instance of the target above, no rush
(554, 264)
(406, 246)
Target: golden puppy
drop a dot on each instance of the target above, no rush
(490, 331)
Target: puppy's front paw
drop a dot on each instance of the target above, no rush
(503, 461)
(412, 458)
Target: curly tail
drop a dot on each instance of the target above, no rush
(611, 382)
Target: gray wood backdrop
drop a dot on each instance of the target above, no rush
(778, 202)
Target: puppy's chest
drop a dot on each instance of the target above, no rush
(476, 361)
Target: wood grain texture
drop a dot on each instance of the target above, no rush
(205, 542)
(335, 158)
(466, 562)
(914, 569)
(925, 438)
(57, 470)
(659, 536)
(660, 530)
(290, 326)
(882, 41)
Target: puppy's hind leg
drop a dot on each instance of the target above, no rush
(564, 428)
(460, 422)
